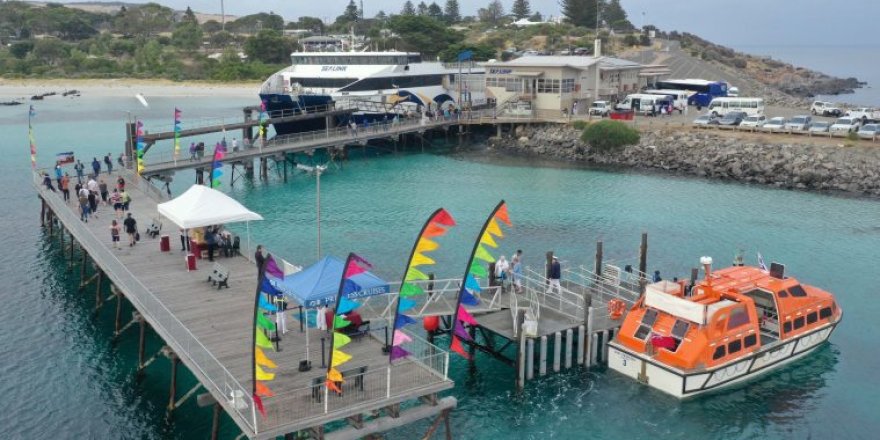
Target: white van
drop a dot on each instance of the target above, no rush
(643, 103)
(679, 97)
(751, 106)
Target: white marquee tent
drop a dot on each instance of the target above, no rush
(202, 206)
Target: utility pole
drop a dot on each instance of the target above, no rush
(222, 16)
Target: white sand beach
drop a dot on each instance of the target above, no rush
(23, 89)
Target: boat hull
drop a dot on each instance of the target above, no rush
(278, 102)
(683, 384)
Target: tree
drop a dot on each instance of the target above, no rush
(435, 12)
(408, 8)
(187, 35)
(422, 9)
(581, 12)
(49, 51)
(268, 46)
(479, 52)
(536, 17)
(312, 24)
(144, 21)
(351, 12)
(256, 22)
(521, 9)
(189, 16)
(492, 12)
(422, 34)
(451, 12)
(212, 26)
(615, 16)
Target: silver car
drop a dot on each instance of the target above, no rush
(869, 131)
(754, 121)
(820, 127)
(704, 120)
(777, 123)
(799, 123)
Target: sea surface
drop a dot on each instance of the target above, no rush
(61, 376)
(858, 60)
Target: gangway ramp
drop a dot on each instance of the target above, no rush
(439, 299)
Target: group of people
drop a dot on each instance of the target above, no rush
(197, 150)
(214, 238)
(510, 270)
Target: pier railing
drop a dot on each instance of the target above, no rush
(562, 301)
(439, 299)
(177, 335)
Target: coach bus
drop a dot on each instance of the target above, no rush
(703, 91)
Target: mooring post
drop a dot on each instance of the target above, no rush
(530, 359)
(173, 388)
(597, 267)
(557, 351)
(61, 238)
(70, 255)
(285, 170)
(215, 422)
(118, 323)
(51, 222)
(588, 342)
(82, 268)
(643, 263)
(141, 341)
(569, 347)
(99, 300)
(542, 357)
(520, 359)
(580, 345)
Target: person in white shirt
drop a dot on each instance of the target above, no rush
(501, 269)
(93, 186)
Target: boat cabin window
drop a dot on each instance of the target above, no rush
(825, 313)
(734, 346)
(646, 325)
(330, 83)
(738, 317)
(786, 327)
(680, 328)
(812, 317)
(798, 322)
(783, 294)
(797, 291)
(750, 340)
(720, 352)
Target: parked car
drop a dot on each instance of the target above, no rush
(820, 127)
(864, 113)
(825, 109)
(600, 108)
(799, 123)
(777, 123)
(731, 119)
(754, 121)
(704, 120)
(847, 125)
(869, 131)
(733, 91)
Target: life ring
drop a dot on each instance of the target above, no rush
(616, 308)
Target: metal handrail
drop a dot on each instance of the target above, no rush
(155, 312)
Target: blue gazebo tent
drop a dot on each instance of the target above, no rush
(317, 285)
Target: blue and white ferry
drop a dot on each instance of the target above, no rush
(382, 83)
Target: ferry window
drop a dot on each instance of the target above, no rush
(786, 327)
(323, 82)
(738, 317)
(798, 322)
(825, 313)
(734, 346)
(649, 318)
(680, 328)
(720, 352)
(812, 317)
(750, 340)
(797, 291)
(783, 294)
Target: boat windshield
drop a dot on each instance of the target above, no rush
(354, 59)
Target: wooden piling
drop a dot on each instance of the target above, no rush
(594, 343)
(530, 359)
(557, 351)
(569, 347)
(542, 357)
(588, 341)
(173, 388)
(141, 341)
(580, 345)
(99, 300)
(520, 360)
(118, 323)
(215, 422)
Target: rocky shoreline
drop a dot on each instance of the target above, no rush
(804, 166)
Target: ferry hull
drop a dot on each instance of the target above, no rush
(683, 384)
(277, 102)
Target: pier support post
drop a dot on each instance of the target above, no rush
(569, 347)
(557, 351)
(215, 422)
(141, 341)
(472, 348)
(118, 323)
(520, 359)
(42, 212)
(173, 388)
(594, 342)
(580, 345)
(607, 338)
(82, 268)
(264, 168)
(530, 359)
(249, 169)
(542, 357)
(588, 342)
(643, 262)
(99, 300)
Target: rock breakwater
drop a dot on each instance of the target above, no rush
(806, 166)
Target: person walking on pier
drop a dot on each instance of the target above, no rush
(93, 203)
(259, 258)
(130, 228)
(554, 276)
(96, 166)
(516, 270)
(79, 168)
(211, 241)
(109, 162)
(102, 188)
(114, 233)
(48, 182)
(65, 187)
(58, 174)
(83, 196)
(116, 202)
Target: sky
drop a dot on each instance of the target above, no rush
(739, 23)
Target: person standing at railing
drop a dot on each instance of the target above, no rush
(79, 168)
(516, 270)
(554, 276)
(192, 151)
(109, 162)
(96, 166)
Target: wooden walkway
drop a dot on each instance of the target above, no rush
(210, 330)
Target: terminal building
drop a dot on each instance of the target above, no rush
(544, 86)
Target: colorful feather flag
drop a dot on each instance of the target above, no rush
(217, 166)
(474, 270)
(140, 147)
(262, 325)
(177, 131)
(435, 226)
(353, 266)
(31, 140)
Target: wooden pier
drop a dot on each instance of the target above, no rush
(209, 332)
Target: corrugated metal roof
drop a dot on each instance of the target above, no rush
(575, 62)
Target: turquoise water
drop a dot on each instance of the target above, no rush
(61, 376)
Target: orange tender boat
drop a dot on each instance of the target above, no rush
(735, 324)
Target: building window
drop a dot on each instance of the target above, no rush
(812, 317)
(548, 86)
(798, 322)
(750, 340)
(568, 85)
(720, 352)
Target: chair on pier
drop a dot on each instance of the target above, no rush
(154, 228)
(219, 276)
